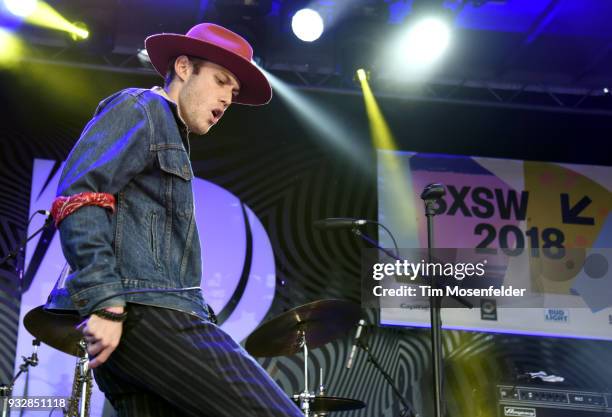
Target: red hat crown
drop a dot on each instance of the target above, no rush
(216, 44)
(223, 38)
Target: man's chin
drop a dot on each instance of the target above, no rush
(201, 130)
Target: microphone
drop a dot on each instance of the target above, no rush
(47, 214)
(349, 363)
(338, 223)
(433, 192)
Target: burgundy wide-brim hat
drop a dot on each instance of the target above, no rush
(220, 46)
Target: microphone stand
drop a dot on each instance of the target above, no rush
(13, 254)
(430, 195)
(372, 359)
(6, 391)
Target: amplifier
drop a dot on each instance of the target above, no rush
(525, 401)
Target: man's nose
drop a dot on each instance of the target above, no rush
(226, 100)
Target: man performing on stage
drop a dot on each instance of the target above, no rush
(126, 217)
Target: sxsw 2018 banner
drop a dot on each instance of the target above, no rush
(500, 203)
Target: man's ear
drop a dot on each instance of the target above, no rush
(183, 67)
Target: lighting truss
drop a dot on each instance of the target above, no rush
(519, 95)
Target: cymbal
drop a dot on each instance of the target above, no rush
(323, 404)
(322, 321)
(57, 330)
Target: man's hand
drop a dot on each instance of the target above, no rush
(102, 336)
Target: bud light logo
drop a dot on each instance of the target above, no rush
(557, 315)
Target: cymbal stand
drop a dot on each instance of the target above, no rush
(322, 391)
(305, 396)
(81, 387)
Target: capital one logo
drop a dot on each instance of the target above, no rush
(239, 277)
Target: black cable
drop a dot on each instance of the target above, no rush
(389, 233)
(13, 254)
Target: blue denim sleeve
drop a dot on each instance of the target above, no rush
(113, 149)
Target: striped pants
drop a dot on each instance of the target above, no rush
(174, 364)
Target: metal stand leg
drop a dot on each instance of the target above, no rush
(305, 397)
(5, 393)
(430, 196)
(81, 387)
(85, 386)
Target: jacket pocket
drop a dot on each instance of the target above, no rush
(175, 161)
(154, 239)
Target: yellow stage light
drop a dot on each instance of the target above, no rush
(46, 16)
(390, 166)
(21, 8)
(79, 31)
(362, 75)
(381, 134)
(10, 49)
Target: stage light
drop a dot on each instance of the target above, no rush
(426, 40)
(10, 49)
(307, 25)
(46, 16)
(362, 75)
(143, 58)
(379, 129)
(78, 31)
(390, 166)
(21, 8)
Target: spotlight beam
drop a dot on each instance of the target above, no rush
(390, 166)
(323, 123)
(47, 16)
(11, 49)
(39, 13)
(21, 8)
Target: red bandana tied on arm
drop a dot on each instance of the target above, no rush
(63, 207)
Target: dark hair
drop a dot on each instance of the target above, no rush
(170, 73)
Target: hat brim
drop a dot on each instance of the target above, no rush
(255, 89)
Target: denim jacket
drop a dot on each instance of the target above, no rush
(148, 251)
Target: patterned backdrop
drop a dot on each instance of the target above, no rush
(290, 175)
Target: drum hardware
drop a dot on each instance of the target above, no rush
(322, 390)
(6, 391)
(321, 405)
(303, 328)
(58, 330)
(305, 396)
(408, 409)
(80, 397)
(320, 321)
(55, 328)
(430, 196)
